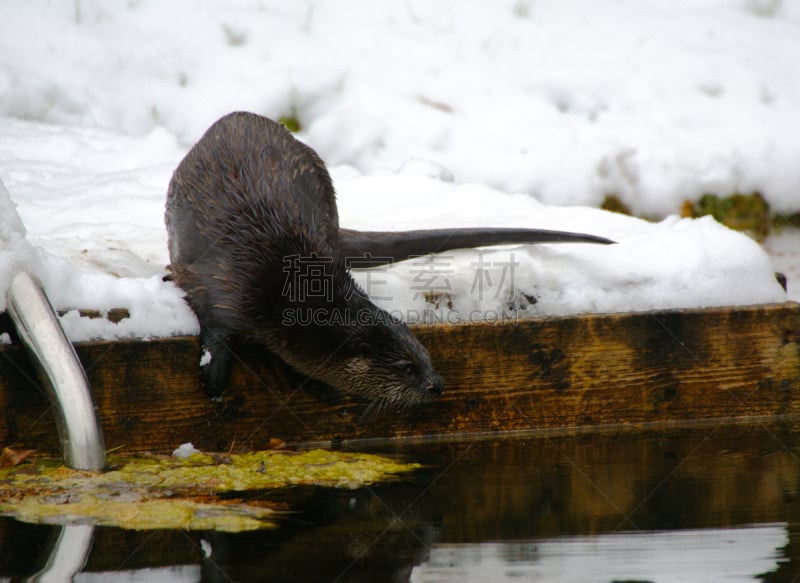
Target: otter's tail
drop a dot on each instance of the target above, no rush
(373, 248)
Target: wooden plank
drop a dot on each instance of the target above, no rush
(592, 370)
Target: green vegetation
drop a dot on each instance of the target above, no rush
(152, 492)
(742, 212)
(291, 122)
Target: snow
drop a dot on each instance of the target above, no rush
(428, 115)
(671, 264)
(185, 450)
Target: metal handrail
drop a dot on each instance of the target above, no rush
(82, 445)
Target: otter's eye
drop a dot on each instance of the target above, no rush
(407, 367)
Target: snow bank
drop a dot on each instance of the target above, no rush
(677, 263)
(654, 102)
(16, 253)
(93, 201)
(429, 115)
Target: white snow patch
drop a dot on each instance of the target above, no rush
(428, 116)
(652, 101)
(185, 450)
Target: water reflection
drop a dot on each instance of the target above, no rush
(732, 554)
(68, 554)
(709, 504)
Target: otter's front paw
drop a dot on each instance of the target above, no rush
(215, 368)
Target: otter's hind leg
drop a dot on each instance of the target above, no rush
(215, 364)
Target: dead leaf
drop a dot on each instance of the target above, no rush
(12, 457)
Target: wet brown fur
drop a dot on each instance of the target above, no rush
(246, 197)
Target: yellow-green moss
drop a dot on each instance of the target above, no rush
(166, 492)
(260, 470)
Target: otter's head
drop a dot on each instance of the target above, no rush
(375, 359)
(385, 364)
(346, 341)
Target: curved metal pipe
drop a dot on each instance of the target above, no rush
(82, 445)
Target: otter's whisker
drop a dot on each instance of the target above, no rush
(375, 404)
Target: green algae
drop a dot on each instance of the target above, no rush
(151, 492)
(260, 470)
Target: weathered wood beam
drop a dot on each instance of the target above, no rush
(584, 371)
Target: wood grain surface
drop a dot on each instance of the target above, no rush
(592, 371)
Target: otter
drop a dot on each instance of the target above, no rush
(254, 240)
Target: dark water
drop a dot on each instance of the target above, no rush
(709, 504)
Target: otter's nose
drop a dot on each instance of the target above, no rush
(434, 386)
